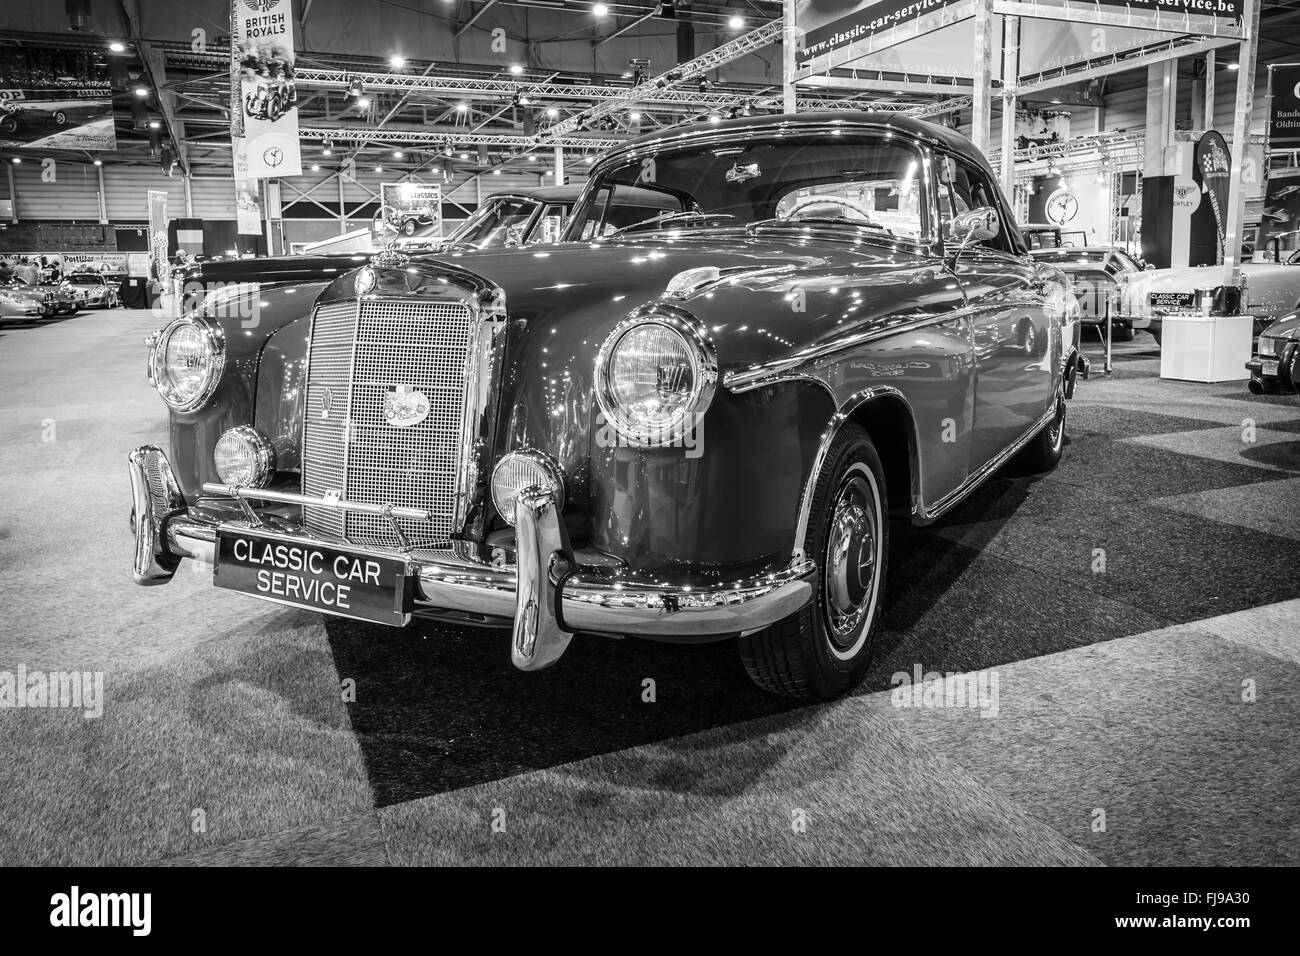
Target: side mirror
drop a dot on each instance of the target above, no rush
(977, 225)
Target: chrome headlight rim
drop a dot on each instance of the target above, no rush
(550, 468)
(704, 368)
(263, 455)
(216, 346)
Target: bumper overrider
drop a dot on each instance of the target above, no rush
(544, 591)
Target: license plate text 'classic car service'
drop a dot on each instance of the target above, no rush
(691, 419)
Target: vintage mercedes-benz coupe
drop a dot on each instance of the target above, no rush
(689, 428)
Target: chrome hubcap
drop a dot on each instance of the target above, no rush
(850, 577)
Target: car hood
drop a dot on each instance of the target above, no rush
(1286, 327)
(587, 288)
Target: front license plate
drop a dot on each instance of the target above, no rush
(1173, 301)
(340, 581)
(1269, 367)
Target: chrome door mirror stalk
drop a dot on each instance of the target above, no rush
(976, 225)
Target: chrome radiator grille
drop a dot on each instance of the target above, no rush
(359, 350)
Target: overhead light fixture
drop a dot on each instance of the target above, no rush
(117, 47)
(142, 91)
(714, 118)
(599, 10)
(462, 107)
(354, 87)
(552, 113)
(154, 124)
(1233, 66)
(496, 172)
(736, 23)
(397, 154)
(396, 62)
(379, 169)
(516, 69)
(99, 162)
(591, 159)
(666, 10)
(17, 160)
(327, 151)
(363, 103)
(634, 116)
(531, 157)
(315, 167)
(464, 157)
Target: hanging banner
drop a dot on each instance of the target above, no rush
(264, 123)
(1041, 127)
(1212, 170)
(55, 101)
(159, 268)
(1281, 216)
(1284, 106)
(827, 26)
(248, 211)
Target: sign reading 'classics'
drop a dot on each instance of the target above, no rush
(1284, 106)
(264, 120)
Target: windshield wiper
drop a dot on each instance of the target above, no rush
(670, 217)
(817, 220)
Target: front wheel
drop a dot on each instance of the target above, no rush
(822, 651)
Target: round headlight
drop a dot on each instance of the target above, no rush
(244, 457)
(187, 363)
(654, 373)
(524, 469)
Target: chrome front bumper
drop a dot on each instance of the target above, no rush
(547, 594)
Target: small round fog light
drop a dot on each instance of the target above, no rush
(244, 458)
(523, 469)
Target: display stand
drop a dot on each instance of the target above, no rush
(1195, 348)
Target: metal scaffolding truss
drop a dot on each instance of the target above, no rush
(438, 140)
(743, 45)
(1111, 144)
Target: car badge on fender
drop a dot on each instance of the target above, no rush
(365, 280)
(404, 406)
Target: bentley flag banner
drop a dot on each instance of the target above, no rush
(264, 121)
(1284, 106)
(1213, 172)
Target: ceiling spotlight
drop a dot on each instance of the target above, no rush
(531, 157)
(17, 160)
(397, 154)
(154, 124)
(142, 91)
(496, 172)
(591, 159)
(464, 157)
(736, 22)
(327, 151)
(117, 46)
(99, 162)
(714, 118)
(634, 116)
(379, 169)
(516, 69)
(552, 113)
(1233, 66)
(462, 107)
(363, 103)
(354, 87)
(315, 167)
(396, 62)
(599, 10)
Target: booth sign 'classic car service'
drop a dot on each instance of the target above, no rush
(688, 428)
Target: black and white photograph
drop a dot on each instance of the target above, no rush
(563, 434)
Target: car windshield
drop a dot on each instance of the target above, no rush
(86, 278)
(492, 224)
(866, 181)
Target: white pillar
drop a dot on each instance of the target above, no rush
(1232, 233)
(1210, 67)
(981, 111)
(559, 165)
(103, 198)
(789, 101)
(1010, 78)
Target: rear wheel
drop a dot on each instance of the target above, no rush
(1121, 333)
(823, 650)
(1044, 449)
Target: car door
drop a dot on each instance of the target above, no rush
(1005, 291)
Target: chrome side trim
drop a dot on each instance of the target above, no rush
(976, 478)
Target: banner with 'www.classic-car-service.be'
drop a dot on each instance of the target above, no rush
(264, 98)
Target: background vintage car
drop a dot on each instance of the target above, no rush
(690, 428)
(1271, 290)
(22, 302)
(1276, 365)
(92, 290)
(1095, 275)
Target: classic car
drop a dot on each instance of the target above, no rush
(1095, 273)
(692, 428)
(91, 290)
(1276, 364)
(20, 302)
(64, 300)
(1267, 291)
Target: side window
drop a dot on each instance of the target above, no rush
(962, 188)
